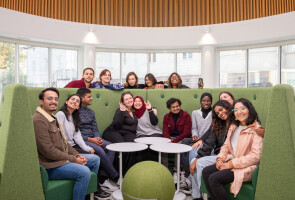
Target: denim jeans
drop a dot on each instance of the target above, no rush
(106, 157)
(200, 165)
(80, 173)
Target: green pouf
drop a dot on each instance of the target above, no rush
(148, 180)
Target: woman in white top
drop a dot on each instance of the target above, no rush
(68, 116)
(201, 123)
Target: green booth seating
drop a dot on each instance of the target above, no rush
(19, 167)
(247, 190)
(63, 189)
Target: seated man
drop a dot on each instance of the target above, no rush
(177, 124)
(90, 134)
(85, 82)
(58, 157)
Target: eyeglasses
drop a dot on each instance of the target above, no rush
(175, 106)
(237, 109)
(174, 77)
(52, 98)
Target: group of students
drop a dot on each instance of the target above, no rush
(226, 139)
(105, 77)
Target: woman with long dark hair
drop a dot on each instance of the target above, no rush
(239, 155)
(68, 115)
(207, 153)
(175, 81)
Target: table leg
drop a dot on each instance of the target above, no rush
(159, 157)
(178, 171)
(120, 167)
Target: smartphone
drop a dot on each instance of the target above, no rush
(200, 83)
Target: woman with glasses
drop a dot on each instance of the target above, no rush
(175, 81)
(204, 153)
(239, 155)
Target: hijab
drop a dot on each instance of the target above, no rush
(206, 111)
(139, 112)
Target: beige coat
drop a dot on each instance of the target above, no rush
(248, 152)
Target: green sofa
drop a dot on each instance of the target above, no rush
(20, 176)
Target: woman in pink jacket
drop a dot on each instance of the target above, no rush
(239, 155)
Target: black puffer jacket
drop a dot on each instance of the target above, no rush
(214, 141)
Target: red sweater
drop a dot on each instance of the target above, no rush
(77, 84)
(184, 126)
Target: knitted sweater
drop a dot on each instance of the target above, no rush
(73, 137)
(199, 124)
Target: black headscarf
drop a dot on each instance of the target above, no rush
(205, 111)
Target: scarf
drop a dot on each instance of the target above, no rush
(139, 112)
(115, 86)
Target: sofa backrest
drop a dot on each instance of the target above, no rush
(275, 107)
(19, 166)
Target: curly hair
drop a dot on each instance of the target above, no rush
(75, 114)
(253, 116)
(216, 121)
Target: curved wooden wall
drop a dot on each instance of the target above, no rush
(151, 13)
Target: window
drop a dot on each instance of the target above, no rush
(263, 67)
(189, 68)
(135, 62)
(233, 69)
(7, 64)
(288, 65)
(64, 66)
(163, 66)
(33, 66)
(110, 61)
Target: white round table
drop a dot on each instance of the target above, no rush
(152, 140)
(124, 147)
(173, 148)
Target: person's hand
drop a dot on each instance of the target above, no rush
(99, 141)
(193, 167)
(79, 160)
(122, 107)
(195, 138)
(197, 144)
(92, 140)
(148, 105)
(219, 163)
(125, 84)
(165, 82)
(159, 86)
(92, 151)
(224, 166)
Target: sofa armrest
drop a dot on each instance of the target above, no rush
(255, 177)
(44, 177)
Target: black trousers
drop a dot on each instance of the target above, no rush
(129, 159)
(215, 179)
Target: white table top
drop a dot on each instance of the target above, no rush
(152, 140)
(171, 148)
(127, 147)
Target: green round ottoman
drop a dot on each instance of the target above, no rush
(148, 180)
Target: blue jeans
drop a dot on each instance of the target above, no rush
(80, 173)
(200, 165)
(106, 158)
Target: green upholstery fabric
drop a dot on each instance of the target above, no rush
(63, 189)
(276, 178)
(18, 154)
(247, 191)
(19, 166)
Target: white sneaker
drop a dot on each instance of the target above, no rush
(108, 187)
(175, 177)
(186, 186)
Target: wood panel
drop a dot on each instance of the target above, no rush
(151, 13)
